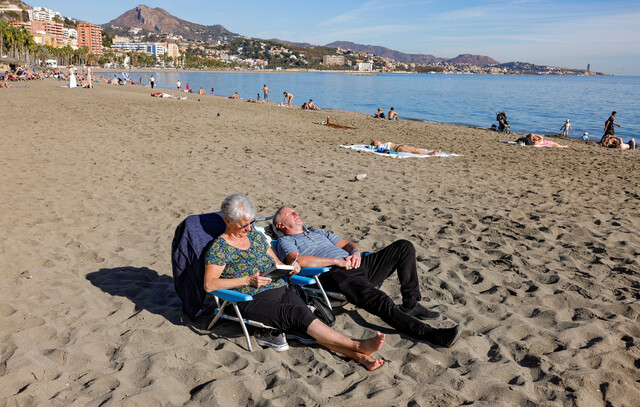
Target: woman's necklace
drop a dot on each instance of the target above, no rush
(239, 242)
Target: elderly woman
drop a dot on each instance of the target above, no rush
(381, 147)
(235, 261)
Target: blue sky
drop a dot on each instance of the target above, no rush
(561, 33)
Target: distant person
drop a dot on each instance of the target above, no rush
(393, 115)
(616, 142)
(201, 91)
(152, 81)
(212, 91)
(265, 91)
(304, 106)
(381, 147)
(234, 96)
(311, 105)
(140, 81)
(585, 136)
(288, 97)
(565, 129)
(538, 140)
(188, 88)
(379, 114)
(258, 97)
(608, 127)
(178, 85)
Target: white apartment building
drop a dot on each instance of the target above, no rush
(70, 33)
(149, 48)
(365, 66)
(41, 13)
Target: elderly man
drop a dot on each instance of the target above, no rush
(358, 277)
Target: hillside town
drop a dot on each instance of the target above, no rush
(51, 39)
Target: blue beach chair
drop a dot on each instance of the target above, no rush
(190, 243)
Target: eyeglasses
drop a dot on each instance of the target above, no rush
(248, 224)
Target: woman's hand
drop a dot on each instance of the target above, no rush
(258, 280)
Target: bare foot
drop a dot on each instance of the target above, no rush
(437, 152)
(369, 362)
(371, 345)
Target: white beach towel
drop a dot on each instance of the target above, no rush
(514, 143)
(362, 147)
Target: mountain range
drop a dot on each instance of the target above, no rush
(159, 21)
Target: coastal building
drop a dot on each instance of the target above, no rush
(149, 48)
(365, 66)
(333, 59)
(42, 13)
(172, 50)
(48, 27)
(90, 36)
(18, 24)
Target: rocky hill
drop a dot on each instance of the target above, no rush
(159, 21)
(387, 53)
(477, 60)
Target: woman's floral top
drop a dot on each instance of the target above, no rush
(240, 263)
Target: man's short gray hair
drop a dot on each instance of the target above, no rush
(237, 206)
(276, 218)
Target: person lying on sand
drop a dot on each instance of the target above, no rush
(381, 147)
(357, 277)
(539, 140)
(616, 142)
(166, 96)
(235, 260)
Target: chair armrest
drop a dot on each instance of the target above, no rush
(300, 280)
(312, 271)
(231, 295)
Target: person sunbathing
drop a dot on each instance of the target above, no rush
(538, 140)
(166, 96)
(616, 142)
(389, 146)
(236, 261)
(311, 105)
(380, 114)
(234, 96)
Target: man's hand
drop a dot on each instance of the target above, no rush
(354, 259)
(343, 263)
(296, 269)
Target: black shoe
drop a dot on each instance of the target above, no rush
(418, 311)
(447, 336)
(303, 339)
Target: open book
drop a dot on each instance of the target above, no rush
(278, 271)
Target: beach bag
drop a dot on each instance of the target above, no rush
(317, 306)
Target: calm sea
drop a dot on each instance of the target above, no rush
(533, 104)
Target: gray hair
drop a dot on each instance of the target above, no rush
(237, 206)
(276, 218)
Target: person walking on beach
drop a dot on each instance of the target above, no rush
(608, 126)
(565, 129)
(265, 91)
(178, 85)
(287, 97)
(152, 81)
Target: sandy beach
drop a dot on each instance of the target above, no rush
(534, 250)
